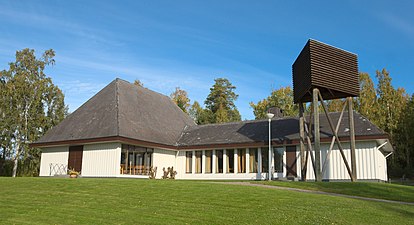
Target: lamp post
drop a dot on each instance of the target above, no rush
(270, 116)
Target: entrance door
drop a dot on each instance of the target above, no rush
(291, 161)
(75, 158)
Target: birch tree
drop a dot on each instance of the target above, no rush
(32, 104)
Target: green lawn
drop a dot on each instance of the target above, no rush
(394, 192)
(132, 201)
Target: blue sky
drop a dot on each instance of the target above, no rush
(187, 44)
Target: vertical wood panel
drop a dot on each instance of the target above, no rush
(101, 160)
(53, 155)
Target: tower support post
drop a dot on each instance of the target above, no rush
(302, 141)
(352, 138)
(317, 136)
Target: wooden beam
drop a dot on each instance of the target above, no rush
(317, 135)
(352, 138)
(309, 142)
(302, 141)
(338, 142)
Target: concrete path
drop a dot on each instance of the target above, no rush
(314, 192)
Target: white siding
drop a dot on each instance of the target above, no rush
(371, 163)
(101, 160)
(163, 159)
(58, 156)
(382, 166)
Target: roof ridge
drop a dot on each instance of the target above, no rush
(141, 87)
(247, 121)
(117, 104)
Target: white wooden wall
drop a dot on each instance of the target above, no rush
(163, 159)
(101, 160)
(371, 163)
(55, 155)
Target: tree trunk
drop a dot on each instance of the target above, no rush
(16, 160)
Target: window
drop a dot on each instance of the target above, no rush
(198, 162)
(189, 162)
(241, 160)
(278, 159)
(230, 160)
(136, 160)
(219, 162)
(253, 160)
(265, 160)
(209, 161)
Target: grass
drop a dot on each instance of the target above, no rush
(387, 191)
(133, 201)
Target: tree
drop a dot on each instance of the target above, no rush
(221, 100)
(281, 98)
(180, 97)
(31, 104)
(404, 139)
(200, 115)
(391, 103)
(138, 83)
(366, 103)
(335, 105)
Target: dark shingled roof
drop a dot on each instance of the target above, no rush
(126, 110)
(284, 130)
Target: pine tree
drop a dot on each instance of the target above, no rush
(221, 100)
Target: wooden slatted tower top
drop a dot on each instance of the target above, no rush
(332, 70)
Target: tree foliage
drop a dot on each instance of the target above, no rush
(281, 98)
(220, 102)
(180, 97)
(138, 83)
(366, 103)
(404, 139)
(30, 105)
(200, 115)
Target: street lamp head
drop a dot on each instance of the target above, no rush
(270, 115)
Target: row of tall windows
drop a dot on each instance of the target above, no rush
(135, 160)
(241, 160)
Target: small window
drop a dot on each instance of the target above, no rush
(230, 160)
(253, 160)
(209, 161)
(219, 162)
(278, 159)
(198, 162)
(189, 162)
(241, 160)
(265, 160)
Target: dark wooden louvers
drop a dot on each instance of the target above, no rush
(332, 70)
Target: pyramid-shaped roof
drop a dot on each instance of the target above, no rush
(122, 109)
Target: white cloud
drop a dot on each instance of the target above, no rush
(42, 21)
(399, 23)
